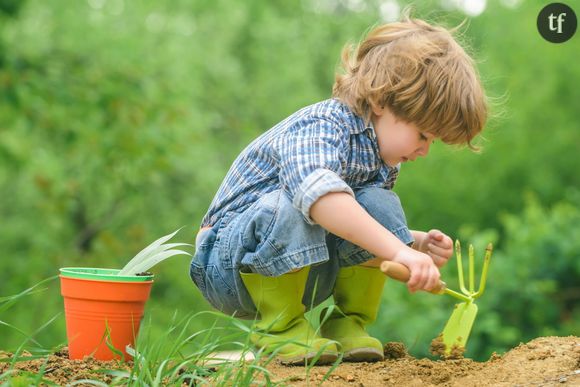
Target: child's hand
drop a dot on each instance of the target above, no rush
(424, 274)
(438, 246)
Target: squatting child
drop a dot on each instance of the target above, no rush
(307, 210)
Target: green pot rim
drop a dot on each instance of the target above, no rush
(94, 273)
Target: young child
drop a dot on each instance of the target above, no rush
(307, 209)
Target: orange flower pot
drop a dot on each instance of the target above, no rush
(102, 313)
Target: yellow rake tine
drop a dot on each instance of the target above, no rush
(483, 280)
(471, 270)
(460, 267)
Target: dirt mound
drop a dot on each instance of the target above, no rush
(58, 368)
(546, 361)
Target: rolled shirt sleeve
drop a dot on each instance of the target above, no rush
(312, 159)
(317, 184)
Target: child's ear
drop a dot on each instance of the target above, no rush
(378, 110)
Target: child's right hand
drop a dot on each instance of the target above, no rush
(424, 274)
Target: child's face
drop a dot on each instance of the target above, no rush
(399, 141)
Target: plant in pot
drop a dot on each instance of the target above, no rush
(104, 307)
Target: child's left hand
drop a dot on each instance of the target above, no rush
(438, 246)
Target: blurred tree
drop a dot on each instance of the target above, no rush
(9, 9)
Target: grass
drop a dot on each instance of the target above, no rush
(175, 357)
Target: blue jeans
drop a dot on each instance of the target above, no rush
(272, 238)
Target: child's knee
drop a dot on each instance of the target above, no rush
(385, 207)
(382, 204)
(275, 239)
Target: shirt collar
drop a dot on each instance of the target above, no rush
(358, 126)
(357, 123)
(370, 130)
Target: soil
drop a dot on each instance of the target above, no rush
(438, 348)
(545, 361)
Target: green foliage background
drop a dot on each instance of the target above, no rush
(119, 119)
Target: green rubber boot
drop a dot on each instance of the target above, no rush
(283, 328)
(357, 295)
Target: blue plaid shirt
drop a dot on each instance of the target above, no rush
(321, 148)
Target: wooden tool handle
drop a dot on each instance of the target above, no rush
(401, 273)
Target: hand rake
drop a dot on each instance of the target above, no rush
(456, 332)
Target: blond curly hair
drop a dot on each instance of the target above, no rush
(421, 74)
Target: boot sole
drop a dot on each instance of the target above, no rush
(363, 354)
(324, 359)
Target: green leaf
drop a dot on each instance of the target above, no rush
(153, 254)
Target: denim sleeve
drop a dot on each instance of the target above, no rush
(311, 162)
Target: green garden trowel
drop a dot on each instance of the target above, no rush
(451, 343)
